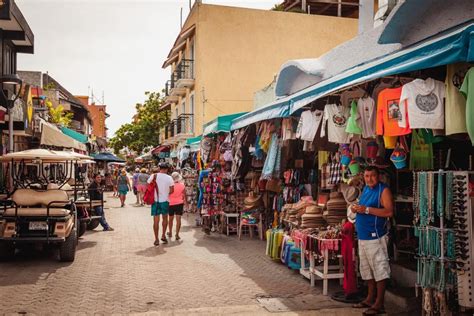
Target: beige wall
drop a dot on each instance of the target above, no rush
(238, 51)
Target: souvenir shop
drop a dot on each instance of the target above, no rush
(217, 200)
(308, 170)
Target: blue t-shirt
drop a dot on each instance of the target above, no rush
(369, 226)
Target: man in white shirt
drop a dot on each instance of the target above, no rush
(165, 186)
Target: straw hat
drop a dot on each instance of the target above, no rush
(350, 193)
(252, 201)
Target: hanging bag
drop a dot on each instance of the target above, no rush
(335, 170)
(151, 189)
(399, 154)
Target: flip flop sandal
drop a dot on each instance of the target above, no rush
(361, 305)
(164, 240)
(156, 243)
(177, 237)
(374, 311)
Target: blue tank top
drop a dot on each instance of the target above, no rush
(369, 226)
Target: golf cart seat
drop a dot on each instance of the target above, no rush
(28, 200)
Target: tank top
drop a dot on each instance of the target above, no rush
(369, 226)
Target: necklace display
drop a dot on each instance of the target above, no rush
(441, 230)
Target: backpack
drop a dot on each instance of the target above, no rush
(149, 197)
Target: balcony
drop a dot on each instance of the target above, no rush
(169, 86)
(180, 129)
(185, 74)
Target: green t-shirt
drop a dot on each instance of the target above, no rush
(467, 89)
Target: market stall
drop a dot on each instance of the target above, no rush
(407, 112)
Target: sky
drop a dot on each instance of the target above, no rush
(111, 48)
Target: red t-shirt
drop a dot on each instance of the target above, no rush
(177, 197)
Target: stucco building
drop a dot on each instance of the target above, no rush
(223, 55)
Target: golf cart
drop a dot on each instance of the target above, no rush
(37, 208)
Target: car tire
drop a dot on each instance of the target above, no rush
(93, 224)
(7, 250)
(82, 228)
(67, 250)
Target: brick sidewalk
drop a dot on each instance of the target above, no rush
(122, 272)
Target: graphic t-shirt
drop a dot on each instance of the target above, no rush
(467, 89)
(164, 183)
(309, 124)
(336, 119)
(455, 108)
(422, 104)
(366, 111)
(388, 113)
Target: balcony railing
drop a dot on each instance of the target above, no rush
(185, 69)
(185, 124)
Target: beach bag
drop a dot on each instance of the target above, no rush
(149, 197)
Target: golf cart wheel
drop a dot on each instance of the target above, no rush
(67, 250)
(82, 228)
(93, 224)
(7, 250)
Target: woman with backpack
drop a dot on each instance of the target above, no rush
(123, 186)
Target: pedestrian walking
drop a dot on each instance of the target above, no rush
(96, 194)
(135, 185)
(142, 181)
(177, 203)
(115, 175)
(123, 186)
(165, 185)
(372, 212)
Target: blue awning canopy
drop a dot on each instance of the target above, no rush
(108, 157)
(451, 46)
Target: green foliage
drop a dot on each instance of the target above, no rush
(278, 7)
(49, 86)
(57, 115)
(144, 131)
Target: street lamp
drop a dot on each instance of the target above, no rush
(9, 100)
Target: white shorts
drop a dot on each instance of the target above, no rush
(373, 256)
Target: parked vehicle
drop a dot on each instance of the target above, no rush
(40, 205)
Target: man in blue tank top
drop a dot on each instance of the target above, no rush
(372, 212)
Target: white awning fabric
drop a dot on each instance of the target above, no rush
(52, 136)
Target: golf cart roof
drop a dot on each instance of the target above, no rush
(44, 155)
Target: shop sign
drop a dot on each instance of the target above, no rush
(28, 109)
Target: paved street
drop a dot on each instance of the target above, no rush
(122, 272)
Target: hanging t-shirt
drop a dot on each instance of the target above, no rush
(352, 123)
(467, 89)
(422, 104)
(455, 109)
(351, 95)
(388, 113)
(309, 124)
(336, 118)
(366, 110)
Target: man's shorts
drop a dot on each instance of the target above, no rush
(176, 209)
(373, 256)
(160, 208)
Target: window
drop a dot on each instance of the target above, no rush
(191, 111)
(183, 106)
